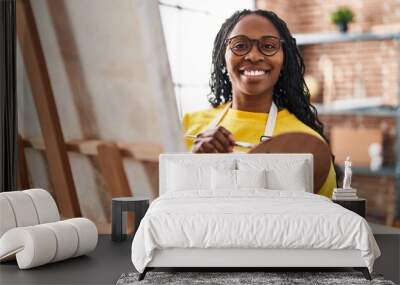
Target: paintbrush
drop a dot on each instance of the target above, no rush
(237, 143)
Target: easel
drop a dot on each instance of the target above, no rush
(107, 156)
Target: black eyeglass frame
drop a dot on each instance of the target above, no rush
(252, 42)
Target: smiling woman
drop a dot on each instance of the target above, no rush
(253, 71)
(257, 89)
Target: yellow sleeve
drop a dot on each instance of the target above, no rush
(185, 122)
(185, 126)
(195, 122)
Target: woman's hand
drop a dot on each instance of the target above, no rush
(214, 141)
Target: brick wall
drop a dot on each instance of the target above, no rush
(311, 16)
(380, 194)
(373, 65)
(359, 69)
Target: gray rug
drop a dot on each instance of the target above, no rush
(269, 278)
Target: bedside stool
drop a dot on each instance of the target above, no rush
(358, 206)
(120, 206)
(388, 240)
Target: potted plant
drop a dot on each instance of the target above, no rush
(341, 17)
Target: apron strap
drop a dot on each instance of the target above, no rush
(269, 126)
(214, 123)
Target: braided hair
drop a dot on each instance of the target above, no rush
(290, 91)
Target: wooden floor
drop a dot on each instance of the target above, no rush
(110, 259)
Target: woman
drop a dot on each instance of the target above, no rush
(256, 68)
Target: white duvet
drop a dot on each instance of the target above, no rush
(250, 219)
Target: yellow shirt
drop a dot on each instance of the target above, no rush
(248, 127)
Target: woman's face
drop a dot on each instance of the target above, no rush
(254, 73)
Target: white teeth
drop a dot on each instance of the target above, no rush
(254, 72)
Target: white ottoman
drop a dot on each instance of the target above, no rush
(31, 232)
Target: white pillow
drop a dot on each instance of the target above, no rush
(290, 180)
(237, 179)
(282, 174)
(181, 178)
(251, 178)
(186, 175)
(223, 179)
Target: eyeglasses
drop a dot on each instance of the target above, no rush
(242, 45)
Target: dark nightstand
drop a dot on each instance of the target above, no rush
(358, 206)
(120, 206)
(388, 239)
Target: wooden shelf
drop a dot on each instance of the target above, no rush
(383, 111)
(384, 171)
(328, 38)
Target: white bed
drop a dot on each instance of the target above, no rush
(200, 220)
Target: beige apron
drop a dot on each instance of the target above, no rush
(269, 126)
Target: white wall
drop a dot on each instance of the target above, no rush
(190, 34)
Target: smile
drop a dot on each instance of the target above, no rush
(254, 73)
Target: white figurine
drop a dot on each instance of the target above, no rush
(375, 153)
(347, 174)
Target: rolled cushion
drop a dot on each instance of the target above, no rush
(7, 218)
(45, 205)
(33, 246)
(41, 244)
(87, 234)
(26, 208)
(23, 208)
(67, 240)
